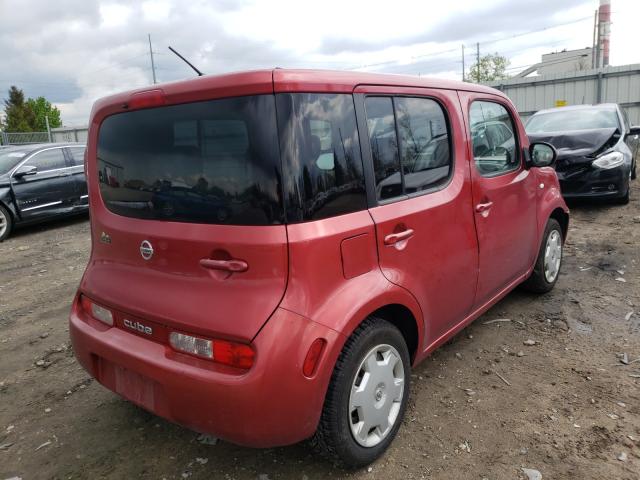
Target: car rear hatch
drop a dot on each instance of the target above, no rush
(186, 211)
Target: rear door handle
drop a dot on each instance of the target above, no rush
(232, 265)
(484, 207)
(394, 238)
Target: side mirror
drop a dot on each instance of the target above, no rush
(634, 130)
(25, 170)
(542, 154)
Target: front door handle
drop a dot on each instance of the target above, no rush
(394, 238)
(233, 265)
(484, 207)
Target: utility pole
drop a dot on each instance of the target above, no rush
(594, 47)
(478, 62)
(463, 72)
(153, 66)
(46, 121)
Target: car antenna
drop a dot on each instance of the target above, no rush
(186, 61)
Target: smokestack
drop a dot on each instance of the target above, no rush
(604, 32)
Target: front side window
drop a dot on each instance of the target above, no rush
(320, 153)
(47, 160)
(77, 155)
(494, 144)
(204, 162)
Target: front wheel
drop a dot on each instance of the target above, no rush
(6, 223)
(367, 396)
(547, 268)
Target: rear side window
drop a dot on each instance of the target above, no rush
(410, 145)
(204, 162)
(384, 147)
(320, 155)
(48, 160)
(424, 143)
(77, 155)
(494, 144)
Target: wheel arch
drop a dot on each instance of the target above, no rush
(402, 318)
(562, 218)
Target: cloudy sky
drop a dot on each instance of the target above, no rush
(75, 51)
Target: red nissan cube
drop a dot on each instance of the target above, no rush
(274, 250)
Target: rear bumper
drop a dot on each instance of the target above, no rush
(270, 405)
(595, 182)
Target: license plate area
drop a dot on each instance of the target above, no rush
(131, 385)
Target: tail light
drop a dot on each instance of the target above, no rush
(96, 311)
(233, 354)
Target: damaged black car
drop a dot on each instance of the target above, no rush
(597, 149)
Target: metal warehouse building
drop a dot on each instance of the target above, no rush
(604, 85)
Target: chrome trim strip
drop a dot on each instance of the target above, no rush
(41, 206)
(83, 196)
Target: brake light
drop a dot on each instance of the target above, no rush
(97, 311)
(234, 354)
(313, 357)
(146, 99)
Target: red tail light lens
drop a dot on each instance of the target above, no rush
(313, 357)
(96, 311)
(233, 354)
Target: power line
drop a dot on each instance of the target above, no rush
(488, 42)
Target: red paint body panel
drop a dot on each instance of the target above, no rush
(304, 281)
(439, 263)
(248, 408)
(506, 229)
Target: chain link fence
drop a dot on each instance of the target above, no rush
(24, 138)
(62, 134)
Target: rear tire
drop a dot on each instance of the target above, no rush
(6, 223)
(367, 396)
(547, 268)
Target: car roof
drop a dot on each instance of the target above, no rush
(33, 147)
(598, 106)
(282, 80)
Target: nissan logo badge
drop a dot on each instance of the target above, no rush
(146, 249)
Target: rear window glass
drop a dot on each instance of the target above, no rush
(205, 162)
(320, 156)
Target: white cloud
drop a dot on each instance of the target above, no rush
(85, 49)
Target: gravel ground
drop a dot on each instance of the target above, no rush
(486, 405)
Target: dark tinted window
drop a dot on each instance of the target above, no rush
(204, 162)
(77, 155)
(320, 155)
(47, 160)
(561, 120)
(494, 144)
(424, 143)
(384, 147)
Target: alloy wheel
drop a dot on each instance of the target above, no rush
(4, 223)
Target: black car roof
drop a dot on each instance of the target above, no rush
(33, 147)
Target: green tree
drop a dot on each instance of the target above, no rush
(490, 67)
(18, 116)
(28, 115)
(41, 108)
